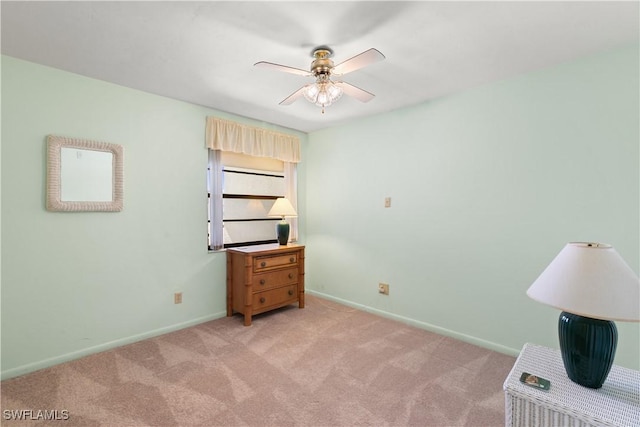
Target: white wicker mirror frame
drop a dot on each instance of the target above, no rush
(54, 188)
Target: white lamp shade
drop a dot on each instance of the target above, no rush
(282, 207)
(590, 280)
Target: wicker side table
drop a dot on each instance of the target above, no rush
(566, 403)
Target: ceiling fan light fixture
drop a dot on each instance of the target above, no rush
(323, 93)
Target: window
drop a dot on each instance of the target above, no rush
(250, 186)
(249, 168)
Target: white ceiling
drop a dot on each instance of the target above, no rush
(203, 52)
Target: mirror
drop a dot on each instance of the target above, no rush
(84, 176)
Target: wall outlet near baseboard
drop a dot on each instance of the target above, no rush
(383, 288)
(177, 298)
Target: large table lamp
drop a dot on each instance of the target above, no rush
(593, 286)
(282, 208)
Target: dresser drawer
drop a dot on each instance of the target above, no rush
(263, 301)
(265, 263)
(273, 279)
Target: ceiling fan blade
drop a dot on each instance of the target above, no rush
(294, 96)
(355, 92)
(359, 61)
(286, 69)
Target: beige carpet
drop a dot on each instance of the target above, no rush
(324, 365)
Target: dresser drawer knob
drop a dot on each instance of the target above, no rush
(262, 300)
(292, 259)
(290, 292)
(262, 281)
(290, 275)
(263, 264)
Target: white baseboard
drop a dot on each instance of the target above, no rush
(41, 364)
(423, 325)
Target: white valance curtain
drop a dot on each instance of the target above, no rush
(226, 135)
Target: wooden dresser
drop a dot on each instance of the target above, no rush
(264, 277)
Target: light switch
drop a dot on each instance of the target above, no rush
(387, 202)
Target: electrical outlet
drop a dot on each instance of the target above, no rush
(387, 202)
(177, 298)
(383, 288)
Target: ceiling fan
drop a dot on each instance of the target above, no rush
(324, 91)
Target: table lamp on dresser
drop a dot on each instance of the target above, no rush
(282, 208)
(593, 286)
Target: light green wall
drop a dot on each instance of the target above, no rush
(487, 187)
(76, 283)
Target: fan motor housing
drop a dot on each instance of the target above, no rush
(322, 64)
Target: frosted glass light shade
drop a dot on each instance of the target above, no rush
(322, 93)
(591, 280)
(282, 208)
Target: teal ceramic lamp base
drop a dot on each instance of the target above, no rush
(282, 230)
(588, 347)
